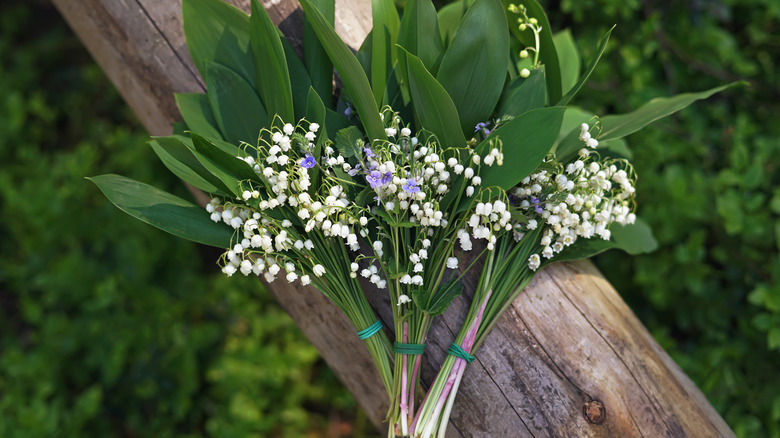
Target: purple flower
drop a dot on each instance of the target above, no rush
(374, 179)
(482, 126)
(537, 205)
(387, 178)
(308, 162)
(411, 186)
(354, 170)
(368, 151)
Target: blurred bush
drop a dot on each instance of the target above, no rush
(709, 186)
(109, 327)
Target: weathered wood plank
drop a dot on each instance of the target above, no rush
(569, 358)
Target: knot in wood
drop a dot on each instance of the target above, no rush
(594, 411)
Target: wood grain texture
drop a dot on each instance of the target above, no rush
(568, 359)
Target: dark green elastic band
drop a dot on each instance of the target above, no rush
(370, 331)
(399, 348)
(456, 351)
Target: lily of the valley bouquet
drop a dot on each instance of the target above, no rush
(451, 149)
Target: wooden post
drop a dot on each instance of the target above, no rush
(569, 358)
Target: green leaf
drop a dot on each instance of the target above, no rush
(273, 78)
(237, 109)
(617, 147)
(318, 64)
(523, 95)
(438, 303)
(163, 210)
(178, 158)
(299, 79)
(218, 32)
(434, 107)
(474, 67)
(633, 239)
(349, 142)
(229, 169)
(527, 139)
(197, 114)
(418, 35)
(383, 50)
(334, 121)
(449, 17)
(352, 74)
(620, 126)
(568, 59)
(592, 66)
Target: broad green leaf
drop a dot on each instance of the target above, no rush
(163, 210)
(620, 126)
(449, 17)
(523, 95)
(419, 33)
(197, 114)
(568, 59)
(348, 67)
(592, 66)
(526, 139)
(633, 239)
(273, 78)
(299, 79)
(383, 50)
(474, 67)
(228, 168)
(363, 54)
(180, 128)
(617, 148)
(548, 54)
(334, 122)
(315, 113)
(237, 109)
(318, 64)
(349, 142)
(218, 32)
(434, 107)
(177, 157)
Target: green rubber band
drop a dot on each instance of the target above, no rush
(457, 351)
(370, 331)
(399, 348)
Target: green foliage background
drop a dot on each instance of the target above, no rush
(111, 328)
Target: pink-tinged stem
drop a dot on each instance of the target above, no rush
(460, 365)
(404, 383)
(415, 371)
(417, 415)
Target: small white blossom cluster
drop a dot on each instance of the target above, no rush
(487, 220)
(283, 165)
(410, 178)
(581, 199)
